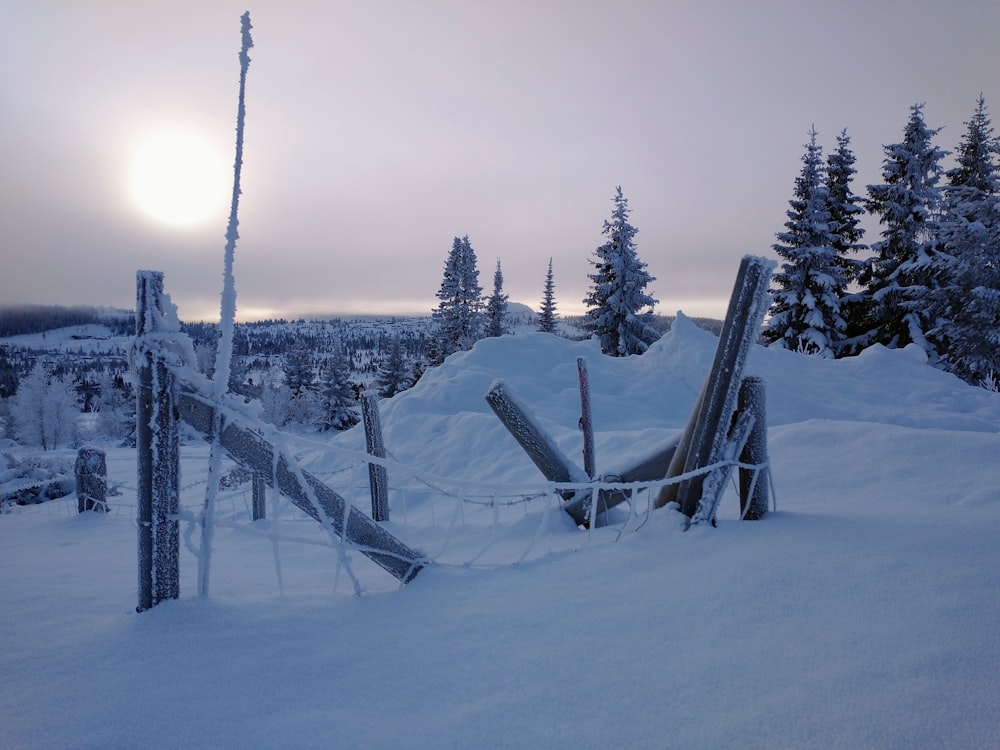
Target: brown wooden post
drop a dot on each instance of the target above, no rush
(157, 453)
(378, 478)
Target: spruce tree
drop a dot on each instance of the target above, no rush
(457, 319)
(845, 207)
(338, 408)
(116, 408)
(547, 316)
(967, 301)
(496, 306)
(805, 310)
(897, 282)
(617, 299)
(393, 375)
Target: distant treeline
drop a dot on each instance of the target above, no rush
(23, 319)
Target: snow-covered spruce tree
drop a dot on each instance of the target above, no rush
(496, 306)
(547, 314)
(304, 404)
(115, 408)
(805, 311)
(394, 375)
(846, 209)
(967, 300)
(338, 407)
(299, 370)
(275, 397)
(45, 409)
(458, 317)
(617, 304)
(898, 281)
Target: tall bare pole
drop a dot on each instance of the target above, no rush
(227, 318)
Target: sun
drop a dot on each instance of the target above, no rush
(178, 178)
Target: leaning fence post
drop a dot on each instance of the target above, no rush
(157, 455)
(586, 419)
(91, 471)
(538, 444)
(378, 478)
(754, 482)
(704, 437)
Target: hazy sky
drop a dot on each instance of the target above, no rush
(378, 131)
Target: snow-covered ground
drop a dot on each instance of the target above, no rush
(863, 613)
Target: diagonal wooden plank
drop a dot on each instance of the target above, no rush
(302, 488)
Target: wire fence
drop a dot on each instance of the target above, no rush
(453, 523)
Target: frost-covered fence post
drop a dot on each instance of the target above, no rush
(378, 478)
(157, 454)
(243, 441)
(258, 502)
(586, 420)
(754, 482)
(91, 471)
(541, 449)
(707, 431)
(537, 443)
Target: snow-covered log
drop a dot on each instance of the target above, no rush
(705, 436)
(303, 489)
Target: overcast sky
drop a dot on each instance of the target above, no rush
(378, 131)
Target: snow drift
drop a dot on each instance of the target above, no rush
(862, 613)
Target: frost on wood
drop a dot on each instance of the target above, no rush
(715, 481)
(538, 444)
(557, 467)
(754, 482)
(704, 438)
(586, 417)
(91, 470)
(305, 491)
(158, 349)
(378, 478)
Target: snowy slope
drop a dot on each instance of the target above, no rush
(863, 613)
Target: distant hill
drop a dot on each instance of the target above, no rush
(17, 320)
